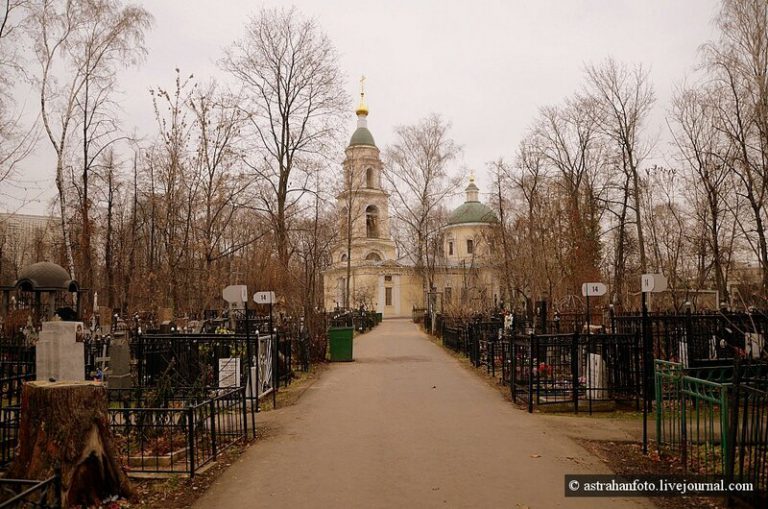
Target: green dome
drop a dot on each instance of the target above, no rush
(362, 136)
(472, 212)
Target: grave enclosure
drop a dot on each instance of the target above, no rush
(176, 400)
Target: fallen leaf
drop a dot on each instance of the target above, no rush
(535, 455)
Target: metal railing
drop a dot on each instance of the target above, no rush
(573, 370)
(692, 338)
(26, 493)
(181, 437)
(715, 426)
(17, 365)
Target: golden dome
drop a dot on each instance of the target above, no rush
(362, 109)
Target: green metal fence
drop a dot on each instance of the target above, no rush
(691, 415)
(714, 426)
(703, 426)
(668, 377)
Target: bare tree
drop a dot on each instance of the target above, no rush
(16, 142)
(224, 185)
(738, 65)
(174, 187)
(294, 103)
(623, 97)
(75, 43)
(416, 166)
(700, 142)
(351, 218)
(569, 143)
(502, 182)
(114, 38)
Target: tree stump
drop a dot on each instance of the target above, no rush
(66, 424)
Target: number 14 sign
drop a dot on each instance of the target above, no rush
(593, 289)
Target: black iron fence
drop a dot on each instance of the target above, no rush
(181, 433)
(574, 371)
(219, 359)
(692, 339)
(570, 370)
(191, 359)
(17, 365)
(253, 364)
(362, 321)
(715, 421)
(26, 493)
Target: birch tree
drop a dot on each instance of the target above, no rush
(76, 44)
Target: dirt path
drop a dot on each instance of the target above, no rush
(406, 426)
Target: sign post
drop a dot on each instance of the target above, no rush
(649, 283)
(238, 294)
(592, 290)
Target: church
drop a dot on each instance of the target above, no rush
(365, 264)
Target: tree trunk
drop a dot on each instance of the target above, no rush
(63, 221)
(66, 424)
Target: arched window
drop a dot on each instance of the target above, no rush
(344, 257)
(370, 182)
(373, 257)
(372, 222)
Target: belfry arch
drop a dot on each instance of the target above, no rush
(372, 221)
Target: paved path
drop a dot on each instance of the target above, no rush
(406, 426)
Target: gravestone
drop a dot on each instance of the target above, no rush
(119, 362)
(597, 376)
(61, 351)
(682, 349)
(105, 318)
(229, 372)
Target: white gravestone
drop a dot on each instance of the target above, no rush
(682, 347)
(597, 376)
(229, 372)
(61, 352)
(713, 348)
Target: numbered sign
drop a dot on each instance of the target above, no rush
(264, 297)
(653, 283)
(235, 293)
(593, 289)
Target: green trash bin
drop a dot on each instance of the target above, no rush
(340, 339)
(379, 317)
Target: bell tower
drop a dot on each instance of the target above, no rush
(362, 205)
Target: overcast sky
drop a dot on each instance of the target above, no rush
(485, 66)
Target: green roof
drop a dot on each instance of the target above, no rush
(362, 136)
(472, 212)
